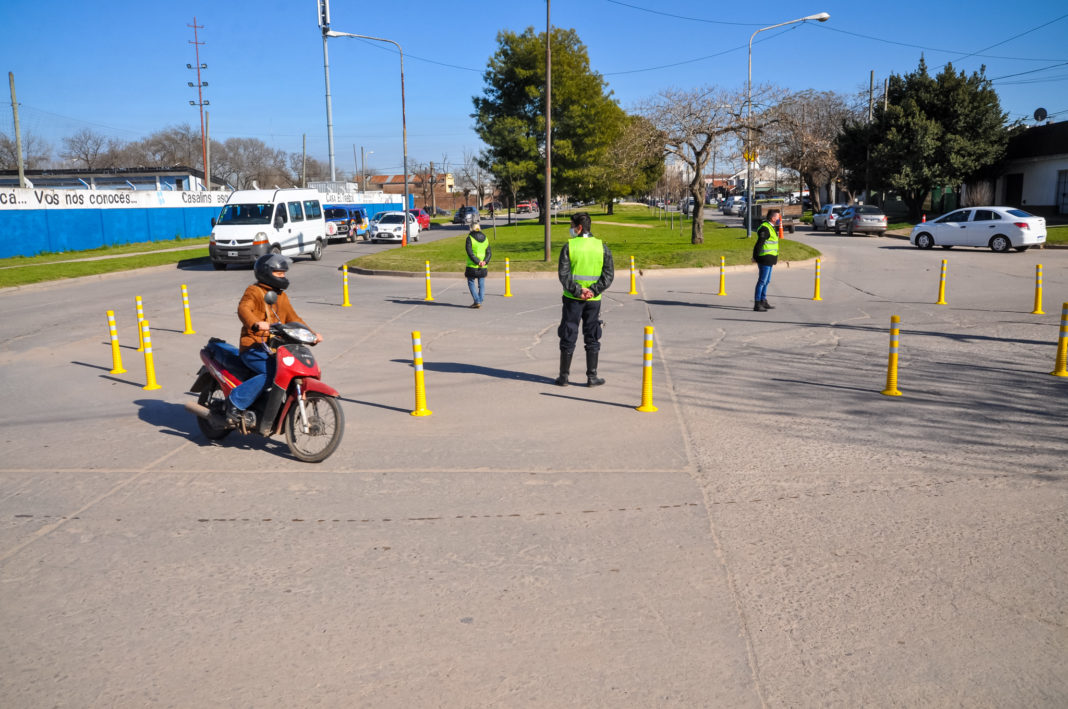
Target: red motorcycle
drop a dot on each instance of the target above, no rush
(296, 401)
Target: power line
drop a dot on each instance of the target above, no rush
(1032, 71)
(701, 59)
(824, 26)
(683, 17)
(1015, 36)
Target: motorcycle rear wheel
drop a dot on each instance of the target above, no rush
(212, 398)
(326, 424)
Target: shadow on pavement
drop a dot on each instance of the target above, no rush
(464, 368)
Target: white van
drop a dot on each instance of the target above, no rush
(257, 222)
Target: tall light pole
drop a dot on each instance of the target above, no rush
(404, 119)
(546, 205)
(749, 156)
(324, 25)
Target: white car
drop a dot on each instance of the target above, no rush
(996, 228)
(389, 226)
(827, 216)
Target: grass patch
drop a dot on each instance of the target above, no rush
(1057, 234)
(655, 247)
(38, 269)
(118, 250)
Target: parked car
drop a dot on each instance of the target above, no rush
(734, 205)
(441, 212)
(344, 221)
(996, 228)
(390, 227)
(865, 218)
(422, 216)
(827, 216)
(466, 215)
(687, 206)
(524, 208)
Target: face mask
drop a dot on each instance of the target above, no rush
(573, 231)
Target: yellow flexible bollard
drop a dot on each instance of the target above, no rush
(1038, 291)
(429, 295)
(116, 356)
(942, 286)
(185, 308)
(420, 383)
(507, 278)
(1061, 368)
(150, 365)
(633, 283)
(647, 371)
(345, 287)
(722, 278)
(140, 319)
(816, 294)
(891, 367)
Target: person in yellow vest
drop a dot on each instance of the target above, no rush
(479, 254)
(766, 255)
(586, 271)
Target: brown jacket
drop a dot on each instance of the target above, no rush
(253, 309)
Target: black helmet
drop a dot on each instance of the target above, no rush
(265, 267)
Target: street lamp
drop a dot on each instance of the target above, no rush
(404, 119)
(749, 156)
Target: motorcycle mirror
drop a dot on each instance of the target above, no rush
(270, 297)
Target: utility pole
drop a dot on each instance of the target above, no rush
(207, 150)
(18, 133)
(324, 25)
(867, 149)
(433, 197)
(200, 94)
(548, 132)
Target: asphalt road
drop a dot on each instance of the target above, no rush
(777, 534)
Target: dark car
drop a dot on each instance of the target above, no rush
(345, 221)
(466, 215)
(422, 217)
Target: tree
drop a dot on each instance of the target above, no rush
(175, 145)
(242, 161)
(510, 114)
(805, 134)
(935, 131)
(91, 150)
(35, 152)
(692, 121)
(632, 163)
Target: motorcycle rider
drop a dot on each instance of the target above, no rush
(256, 317)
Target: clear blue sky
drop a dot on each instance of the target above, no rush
(119, 66)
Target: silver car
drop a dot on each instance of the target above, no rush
(827, 216)
(865, 218)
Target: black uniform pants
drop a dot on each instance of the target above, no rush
(589, 312)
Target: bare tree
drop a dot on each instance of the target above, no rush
(90, 150)
(804, 136)
(472, 178)
(632, 163)
(35, 152)
(692, 121)
(242, 161)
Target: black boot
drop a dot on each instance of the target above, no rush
(758, 305)
(767, 305)
(592, 380)
(565, 368)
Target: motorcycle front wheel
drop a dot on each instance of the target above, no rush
(326, 423)
(213, 398)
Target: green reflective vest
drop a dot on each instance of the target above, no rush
(771, 246)
(479, 249)
(587, 260)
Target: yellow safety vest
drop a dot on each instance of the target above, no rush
(587, 261)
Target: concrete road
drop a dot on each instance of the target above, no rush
(777, 534)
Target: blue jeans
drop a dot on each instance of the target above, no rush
(256, 359)
(476, 296)
(763, 279)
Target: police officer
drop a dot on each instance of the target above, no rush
(479, 254)
(766, 255)
(585, 271)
